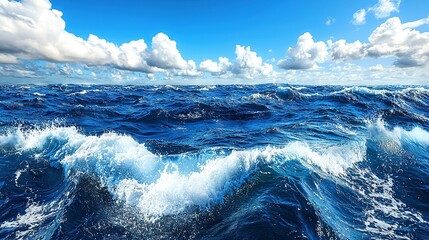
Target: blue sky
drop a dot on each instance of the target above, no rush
(252, 36)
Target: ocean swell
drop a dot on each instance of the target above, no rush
(264, 162)
(165, 185)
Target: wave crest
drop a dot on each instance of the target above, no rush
(165, 185)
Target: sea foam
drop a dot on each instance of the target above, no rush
(378, 130)
(165, 185)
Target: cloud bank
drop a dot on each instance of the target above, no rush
(393, 38)
(31, 29)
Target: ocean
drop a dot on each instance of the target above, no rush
(214, 162)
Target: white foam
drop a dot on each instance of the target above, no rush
(11, 139)
(345, 129)
(335, 159)
(382, 204)
(164, 185)
(256, 96)
(192, 115)
(174, 191)
(418, 90)
(83, 92)
(362, 90)
(371, 91)
(260, 96)
(397, 136)
(39, 94)
(208, 88)
(32, 220)
(296, 90)
(18, 175)
(111, 157)
(34, 215)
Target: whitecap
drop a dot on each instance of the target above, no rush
(165, 185)
(39, 94)
(396, 136)
(83, 92)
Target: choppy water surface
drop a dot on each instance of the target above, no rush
(214, 162)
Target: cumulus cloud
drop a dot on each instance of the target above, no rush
(190, 70)
(31, 29)
(305, 54)
(403, 41)
(359, 17)
(246, 64)
(217, 68)
(343, 51)
(164, 54)
(391, 39)
(384, 8)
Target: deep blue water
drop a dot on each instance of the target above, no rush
(214, 162)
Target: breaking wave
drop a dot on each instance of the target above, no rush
(214, 162)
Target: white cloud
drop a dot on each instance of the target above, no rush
(30, 29)
(384, 8)
(118, 76)
(391, 39)
(221, 67)
(416, 24)
(409, 46)
(377, 67)
(164, 54)
(67, 70)
(246, 64)
(329, 21)
(342, 51)
(132, 56)
(359, 17)
(8, 58)
(151, 76)
(305, 54)
(18, 70)
(350, 74)
(190, 70)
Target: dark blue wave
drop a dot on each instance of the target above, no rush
(214, 162)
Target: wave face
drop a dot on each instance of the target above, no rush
(214, 162)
